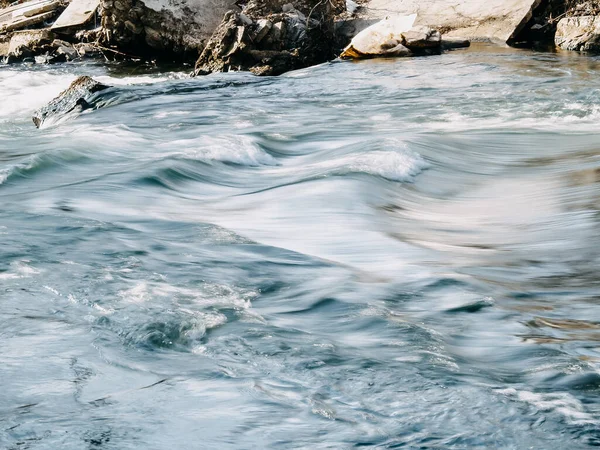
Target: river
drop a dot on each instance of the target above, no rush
(391, 253)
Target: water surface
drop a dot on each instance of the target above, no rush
(385, 254)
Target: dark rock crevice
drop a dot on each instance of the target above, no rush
(540, 31)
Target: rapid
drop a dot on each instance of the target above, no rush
(394, 253)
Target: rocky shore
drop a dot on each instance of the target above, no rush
(270, 37)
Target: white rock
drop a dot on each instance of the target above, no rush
(381, 39)
(351, 6)
(578, 33)
(496, 20)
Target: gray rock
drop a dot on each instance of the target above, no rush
(245, 19)
(77, 95)
(420, 38)
(578, 33)
(263, 26)
(398, 50)
(449, 43)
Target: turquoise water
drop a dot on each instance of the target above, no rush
(386, 254)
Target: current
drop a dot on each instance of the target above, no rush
(384, 254)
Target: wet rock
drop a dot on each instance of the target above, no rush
(77, 95)
(449, 43)
(281, 36)
(579, 33)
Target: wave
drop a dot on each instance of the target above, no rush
(390, 159)
(391, 165)
(240, 150)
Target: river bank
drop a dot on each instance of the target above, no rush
(270, 37)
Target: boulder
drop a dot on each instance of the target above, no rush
(177, 30)
(270, 37)
(578, 33)
(384, 38)
(489, 20)
(79, 95)
(393, 36)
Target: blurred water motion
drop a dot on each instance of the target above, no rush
(397, 253)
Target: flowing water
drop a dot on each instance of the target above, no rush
(388, 254)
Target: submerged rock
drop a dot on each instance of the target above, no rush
(77, 95)
(580, 33)
(270, 37)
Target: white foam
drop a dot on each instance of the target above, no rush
(559, 402)
(205, 295)
(140, 79)
(570, 116)
(391, 165)
(137, 294)
(241, 150)
(25, 91)
(19, 269)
